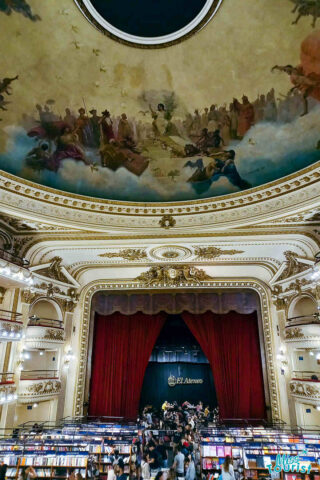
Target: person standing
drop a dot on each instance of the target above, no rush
(178, 463)
(227, 471)
(3, 470)
(190, 470)
(145, 469)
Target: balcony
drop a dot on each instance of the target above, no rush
(305, 386)
(304, 331)
(14, 270)
(11, 326)
(15, 259)
(7, 388)
(44, 333)
(38, 385)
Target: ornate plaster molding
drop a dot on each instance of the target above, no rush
(38, 390)
(134, 286)
(292, 193)
(302, 390)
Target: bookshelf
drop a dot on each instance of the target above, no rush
(252, 449)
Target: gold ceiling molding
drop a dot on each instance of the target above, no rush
(127, 254)
(24, 197)
(169, 275)
(77, 269)
(136, 286)
(100, 236)
(208, 253)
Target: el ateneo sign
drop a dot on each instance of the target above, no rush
(173, 381)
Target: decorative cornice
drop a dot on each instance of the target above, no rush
(295, 192)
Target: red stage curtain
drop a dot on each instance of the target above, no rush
(231, 344)
(121, 350)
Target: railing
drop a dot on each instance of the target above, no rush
(35, 321)
(9, 316)
(6, 377)
(11, 257)
(310, 376)
(39, 374)
(303, 320)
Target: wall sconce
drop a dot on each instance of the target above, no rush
(68, 357)
(282, 358)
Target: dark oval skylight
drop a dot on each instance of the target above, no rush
(149, 22)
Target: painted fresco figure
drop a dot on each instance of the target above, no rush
(82, 127)
(160, 123)
(67, 147)
(245, 115)
(221, 165)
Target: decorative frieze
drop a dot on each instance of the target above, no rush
(38, 390)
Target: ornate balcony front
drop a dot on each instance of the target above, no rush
(11, 326)
(7, 388)
(14, 270)
(44, 333)
(38, 385)
(305, 386)
(303, 332)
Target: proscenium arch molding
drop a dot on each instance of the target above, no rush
(264, 321)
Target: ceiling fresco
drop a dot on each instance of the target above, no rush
(234, 106)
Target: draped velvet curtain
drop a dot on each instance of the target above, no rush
(121, 350)
(231, 344)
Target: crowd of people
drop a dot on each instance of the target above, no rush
(172, 416)
(171, 448)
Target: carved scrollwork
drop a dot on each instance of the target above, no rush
(209, 253)
(52, 334)
(127, 254)
(304, 389)
(293, 333)
(49, 387)
(173, 275)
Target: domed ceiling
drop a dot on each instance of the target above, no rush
(165, 101)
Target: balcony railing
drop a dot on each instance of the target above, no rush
(11, 257)
(8, 316)
(39, 374)
(35, 321)
(6, 377)
(309, 376)
(303, 320)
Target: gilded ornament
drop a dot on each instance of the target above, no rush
(167, 221)
(126, 254)
(173, 275)
(293, 265)
(293, 333)
(209, 253)
(52, 334)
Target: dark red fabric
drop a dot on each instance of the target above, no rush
(231, 344)
(121, 350)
